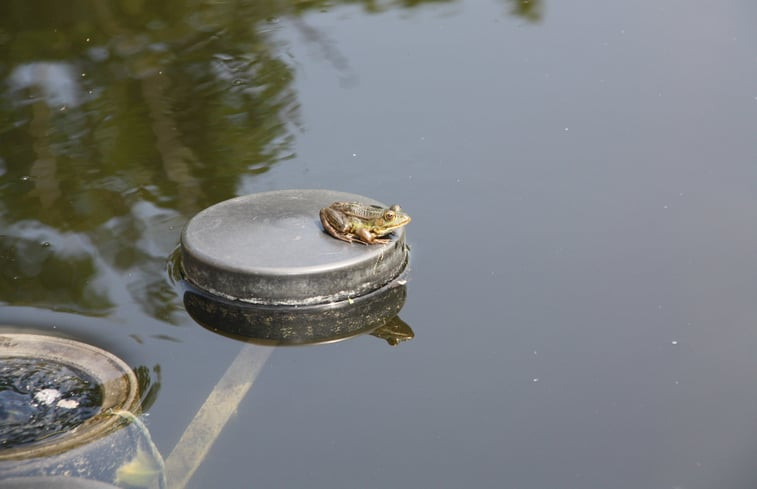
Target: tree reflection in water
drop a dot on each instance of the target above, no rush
(122, 119)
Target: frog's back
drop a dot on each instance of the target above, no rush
(357, 209)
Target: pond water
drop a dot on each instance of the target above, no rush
(581, 178)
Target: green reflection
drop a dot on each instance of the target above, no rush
(530, 10)
(31, 273)
(395, 331)
(120, 119)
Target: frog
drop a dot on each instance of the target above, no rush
(362, 223)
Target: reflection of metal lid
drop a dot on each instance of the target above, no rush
(295, 325)
(39, 357)
(269, 248)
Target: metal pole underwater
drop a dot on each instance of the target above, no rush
(206, 426)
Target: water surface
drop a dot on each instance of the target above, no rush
(581, 181)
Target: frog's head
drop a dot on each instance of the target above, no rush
(392, 218)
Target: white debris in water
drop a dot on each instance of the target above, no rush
(674, 342)
(47, 396)
(536, 379)
(68, 404)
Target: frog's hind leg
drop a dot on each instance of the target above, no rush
(330, 229)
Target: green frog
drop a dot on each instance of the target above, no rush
(364, 223)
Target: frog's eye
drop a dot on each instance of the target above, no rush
(389, 215)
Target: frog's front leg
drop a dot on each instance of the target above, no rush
(366, 236)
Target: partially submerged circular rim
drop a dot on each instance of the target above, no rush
(118, 381)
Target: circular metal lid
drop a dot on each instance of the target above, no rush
(270, 248)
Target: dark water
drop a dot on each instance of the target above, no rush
(40, 399)
(581, 177)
